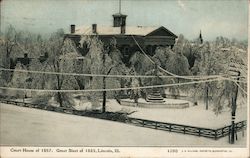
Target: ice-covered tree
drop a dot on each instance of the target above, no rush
(59, 52)
(162, 56)
(103, 59)
(175, 62)
(136, 93)
(8, 50)
(140, 63)
(235, 66)
(207, 65)
(214, 59)
(19, 80)
(155, 80)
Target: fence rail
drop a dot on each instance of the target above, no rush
(177, 128)
(170, 127)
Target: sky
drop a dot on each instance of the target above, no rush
(214, 18)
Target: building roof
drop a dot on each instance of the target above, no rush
(109, 30)
(119, 15)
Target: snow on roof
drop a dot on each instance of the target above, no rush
(119, 14)
(109, 30)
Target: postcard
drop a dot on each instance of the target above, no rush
(124, 78)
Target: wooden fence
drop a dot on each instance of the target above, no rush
(191, 130)
(170, 127)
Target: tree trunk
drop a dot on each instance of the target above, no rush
(104, 85)
(206, 97)
(56, 65)
(178, 89)
(80, 82)
(104, 95)
(59, 95)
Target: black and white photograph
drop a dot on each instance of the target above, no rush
(103, 75)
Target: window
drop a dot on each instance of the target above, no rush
(117, 21)
(126, 51)
(149, 49)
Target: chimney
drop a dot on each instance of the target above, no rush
(72, 28)
(94, 28)
(123, 29)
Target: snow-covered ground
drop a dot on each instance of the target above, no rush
(26, 127)
(193, 116)
(172, 101)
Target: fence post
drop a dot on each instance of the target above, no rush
(243, 128)
(184, 130)
(236, 138)
(215, 134)
(199, 132)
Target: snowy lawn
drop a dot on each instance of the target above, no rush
(193, 116)
(33, 127)
(172, 101)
